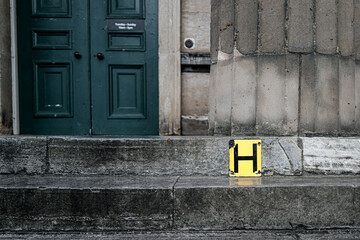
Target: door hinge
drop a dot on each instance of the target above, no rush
(90, 131)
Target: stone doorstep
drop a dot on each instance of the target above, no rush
(224, 235)
(114, 203)
(173, 155)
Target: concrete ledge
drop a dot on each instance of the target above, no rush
(103, 203)
(85, 203)
(226, 235)
(179, 156)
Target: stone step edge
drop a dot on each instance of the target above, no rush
(174, 155)
(108, 203)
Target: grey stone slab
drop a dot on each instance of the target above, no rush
(331, 155)
(277, 95)
(357, 94)
(23, 155)
(212, 99)
(153, 156)
(243, 115)
(357, 206)
(226, 25)
(164, 156)
(85, 204)
(347, 97)
(246, 25)
(215, 30)
(300, 28)
(227, 235)
(346, 27)
(272, 26)
(327, 94)
(281, 156)
(308, 94)
(217, 204)
(326, 26)
(224, 81)
(356, 28)
(194, 125)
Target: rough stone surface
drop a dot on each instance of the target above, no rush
(195, 93)
(319, 110)
(272, 26)
(326, 26)
(347, 97)
(195, 18)
(23, 155)
(164, 156)
(226, 25)
(194, 125)
(266, 203)
(212, 99)
(331, 155)
(281, 156)
(308, 95)
(327, 87)
(153, 156)
(246, 24)
(85, 203)
(243, 117)
(214, 30)
(223, 88)
(190, 235)
(277, 95)
(346, 28)
(300, 28)
(357, 28)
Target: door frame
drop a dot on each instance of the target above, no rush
(169, 15)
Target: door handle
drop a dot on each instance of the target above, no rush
(100, 56)
(77, 55)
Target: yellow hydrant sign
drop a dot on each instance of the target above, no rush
(245, 158)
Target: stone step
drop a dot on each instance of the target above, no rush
(155, 156)
(224, 235)
(169, 203)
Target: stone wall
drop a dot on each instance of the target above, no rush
(285, 67)
(5, 69)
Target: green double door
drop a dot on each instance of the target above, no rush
(88, 67)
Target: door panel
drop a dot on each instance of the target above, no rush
(54, 86)
(125, 82)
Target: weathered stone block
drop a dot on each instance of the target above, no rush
(96, 203)
(214, 30)
(319, 111)
(194, 125)
(148, 156)
(266, 203)
(224, 81)
(281, 156)
(327, 91)
(272, 26)
(346, 28)
(243, 115)
(331, 155)
(300, 29)
(195, 20)
(226, 25)
(23, 155)
(195, 93)
(246, 24)
(326, 26)
(357, 28)
(347, 105)
(212, 98)
(308, 94)
(277, 95)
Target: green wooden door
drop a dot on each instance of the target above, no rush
(88, 67)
